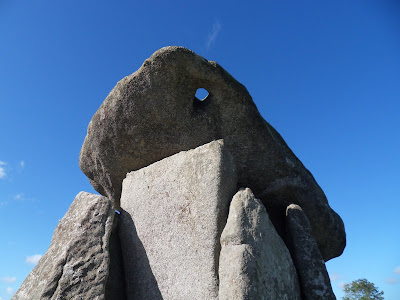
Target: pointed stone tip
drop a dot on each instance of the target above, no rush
(293, 206)
(244, 191)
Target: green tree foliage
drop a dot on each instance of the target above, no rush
(362, 289)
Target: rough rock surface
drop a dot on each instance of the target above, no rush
(313, 276)
(172, 216)
(76, 264)
(115, 286)
(153, 114)
(254, 261)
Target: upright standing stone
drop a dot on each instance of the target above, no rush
(172, 216)
(76, 265)
(313, 276)
(254, 261)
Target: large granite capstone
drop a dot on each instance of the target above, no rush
(153, 114)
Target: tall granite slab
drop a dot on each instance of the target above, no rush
(313, 276)
(154, 113)
(172, 216)
(76, 265)
(254, 261)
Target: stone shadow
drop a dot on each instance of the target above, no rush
(115, 285)
(140, 282)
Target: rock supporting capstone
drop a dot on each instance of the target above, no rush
(254, 261)
(172, 216)
(153, 114)
(313, 276)
(77, 262)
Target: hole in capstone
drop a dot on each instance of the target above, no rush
(201, 94)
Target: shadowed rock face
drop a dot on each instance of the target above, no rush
(313, 276)
(153, 114)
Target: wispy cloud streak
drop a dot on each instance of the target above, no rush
(34, 259)
(391, 280)
(3, 173)
(10, 290)
(334, 277)
(19, 196)
(341, 285)
(212, 36)
(8, 279)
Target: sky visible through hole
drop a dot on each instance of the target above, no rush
(201, 94)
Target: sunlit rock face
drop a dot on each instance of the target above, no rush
(254, 262)
(77, 263)
(172, 216)
(153, 114)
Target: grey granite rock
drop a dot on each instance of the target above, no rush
(115, 285)
(254, 261)
(172, 216)
(313, 276)
(76, 264)
(153, 114)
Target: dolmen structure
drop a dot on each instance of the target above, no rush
(200, 199)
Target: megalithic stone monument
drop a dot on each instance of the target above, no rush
(212, 203)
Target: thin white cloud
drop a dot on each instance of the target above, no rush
(22, 164)
(3, 173)
(397, 270)
(8, 279)
(19, 196)
(334, 277)
(10, 290)
(213, 34)
(341, 285)
(33, 259)
(391, 280)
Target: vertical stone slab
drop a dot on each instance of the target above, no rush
(172, 216)
(313, 276)
(254, 261)
(76, 265)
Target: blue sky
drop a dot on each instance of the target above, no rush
(325, 74)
